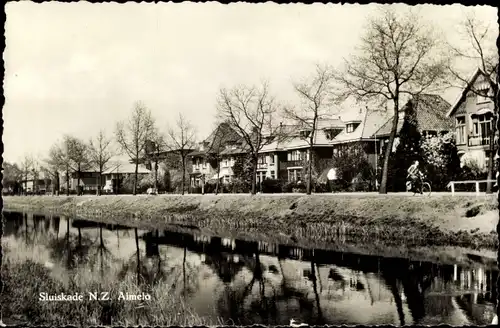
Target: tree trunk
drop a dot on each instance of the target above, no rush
(156, 174)
(489, 189)
(136, 173)
(203, 184)
(218, 177)
(34, 183)
(254, 174)
(26, 184)
(98, 183)
(388, 150)
(67, 182)
(183, 160)
(309, 169)
(78, 180)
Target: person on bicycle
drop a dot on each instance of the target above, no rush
(415, 176)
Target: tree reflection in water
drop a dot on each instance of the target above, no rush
(152, 266)
(71, 250)
(236, 303)
(269, 295)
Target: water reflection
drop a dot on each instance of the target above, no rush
(245, 282)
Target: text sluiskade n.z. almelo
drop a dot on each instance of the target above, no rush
(92, 296)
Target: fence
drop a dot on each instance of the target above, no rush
(476, 182)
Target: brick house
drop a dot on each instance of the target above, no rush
(211, 152)
(286, 157)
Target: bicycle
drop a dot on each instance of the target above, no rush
(424, 188)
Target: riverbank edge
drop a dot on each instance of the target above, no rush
(385, 221)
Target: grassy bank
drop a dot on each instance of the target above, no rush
(25, 275)
(392, 219)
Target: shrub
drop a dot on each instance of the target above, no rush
(271, 186)
(287, 187)
(321, 187)
(351, 163)
(294, 186)
(440, 159)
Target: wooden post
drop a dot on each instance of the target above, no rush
(452, 188)
(477, 188)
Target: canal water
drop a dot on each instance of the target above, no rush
(246, 282)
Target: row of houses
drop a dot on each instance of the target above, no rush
(110, 180)
(470, 117)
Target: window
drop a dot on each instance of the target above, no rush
(305, 133)
(482, 125)
(273, 176)
(262, 159)
(350, 128)
(294, 175)
(271, 159)
(460, 129)
(332, 133)
(482, 97)
(295, 155)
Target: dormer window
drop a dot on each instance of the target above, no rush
(305, 133)
(332, 133)
(351, 127)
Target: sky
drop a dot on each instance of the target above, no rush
(77, 68)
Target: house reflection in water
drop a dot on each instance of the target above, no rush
(247, 282)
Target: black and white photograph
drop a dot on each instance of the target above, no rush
(209, 164)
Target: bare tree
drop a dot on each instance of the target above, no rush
(181, 140)
(397, 59)
(215, 153)
(26, 165)
(51, 171)
(133, 134)
(482, 51)
(60, 160)
(249, 110)
(78, 154)
(100, 153)
(35, 172)
(153, 152)
(315, 94)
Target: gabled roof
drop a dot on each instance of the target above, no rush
(470, 81)
(224, 134)
(430, 111)
(369, 122)
(216, 142)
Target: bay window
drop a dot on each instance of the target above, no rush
(482, 125)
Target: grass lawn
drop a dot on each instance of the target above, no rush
(394, 219)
